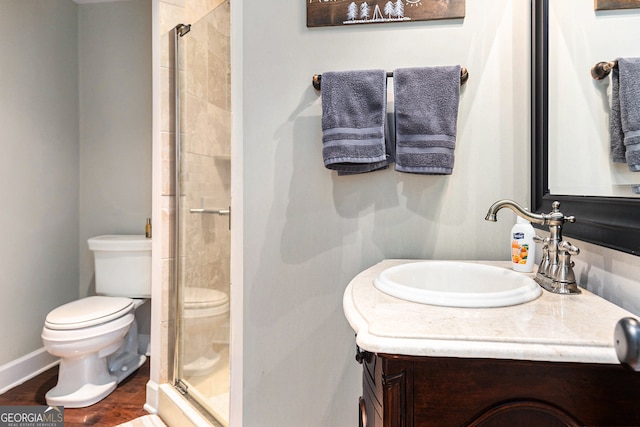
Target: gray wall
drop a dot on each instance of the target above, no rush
(115, 123)
(308, 232)
(76, 139)
(38, 167)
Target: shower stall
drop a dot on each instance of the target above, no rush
(202, 235)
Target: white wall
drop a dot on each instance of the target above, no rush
(307, 232)
(38, 168)
(76, 139)
(115, 123)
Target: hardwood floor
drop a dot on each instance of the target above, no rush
(124, 404)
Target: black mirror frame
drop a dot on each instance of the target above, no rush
(613, 222)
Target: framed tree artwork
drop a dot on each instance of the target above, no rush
(322, 13)
(616, 4)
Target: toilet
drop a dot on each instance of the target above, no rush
(96, 338)
(206, 329)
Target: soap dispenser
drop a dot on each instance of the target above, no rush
(523, 247)
(147, 229)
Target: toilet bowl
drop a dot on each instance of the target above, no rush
(206, 319)
(96, 338)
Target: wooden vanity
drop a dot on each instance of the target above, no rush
(412, 391)
(549, 362)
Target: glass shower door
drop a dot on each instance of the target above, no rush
(203, 216)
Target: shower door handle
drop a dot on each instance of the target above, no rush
(211, 211)
(221, 212)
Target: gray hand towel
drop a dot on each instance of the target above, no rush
(426, 116)
(353, 121)
(615, 127)
(624, 120)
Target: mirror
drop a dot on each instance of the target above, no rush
(579, 105)
(613, 222)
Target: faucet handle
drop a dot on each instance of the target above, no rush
(568, 247)
(540, 239)
(564, 279)
(570, 218)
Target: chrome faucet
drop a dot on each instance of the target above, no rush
(555, 271)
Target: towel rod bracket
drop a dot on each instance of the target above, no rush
(602, 69)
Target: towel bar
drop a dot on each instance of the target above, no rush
(602, 69)
(211, 211)
(317, 78)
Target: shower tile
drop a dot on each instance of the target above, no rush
(167, 345)
(167, 101)
(176, 2)
(198, 9)
(167, 221)
(196, 69)
(219, 131)
(171, 15)
(218, 179)
(220, 21)
(167, 283)
(196, 125)
(223, 182)
(166, 50)
(168, 163)
(219, 44)
(219, 74)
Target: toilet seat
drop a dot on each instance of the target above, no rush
(202, 302)
(88, 312)
(86, 334)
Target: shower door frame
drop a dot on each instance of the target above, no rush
(175, 297)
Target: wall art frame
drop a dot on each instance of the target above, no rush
(322, 13)
(616, 4)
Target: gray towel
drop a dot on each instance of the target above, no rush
(426, 116)
(615, 127)
(624, 119)
(353, 121)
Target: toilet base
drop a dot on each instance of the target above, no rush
(89, 378)
(86, 395)
(81, 382)
(126, 360)
(127, 366)
(99, 384)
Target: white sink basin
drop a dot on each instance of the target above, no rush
(457, 284)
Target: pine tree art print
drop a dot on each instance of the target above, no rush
(321, 13)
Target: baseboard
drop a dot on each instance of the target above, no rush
(152, 397)
(20, 370)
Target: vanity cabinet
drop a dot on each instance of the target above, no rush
(548, 362)
(420, 391)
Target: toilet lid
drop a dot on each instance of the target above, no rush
(204, 298)
(87, 312)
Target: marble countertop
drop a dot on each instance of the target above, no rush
(555, 328)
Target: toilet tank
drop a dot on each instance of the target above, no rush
(122, 265)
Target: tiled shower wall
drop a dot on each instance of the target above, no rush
(207, 157)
